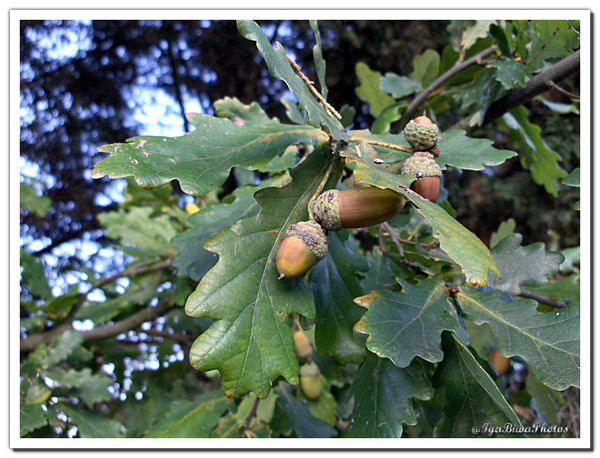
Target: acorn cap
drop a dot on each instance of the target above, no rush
(312, 234)
(309, 370)
(326, 210)
(421, 133)
(421, 164)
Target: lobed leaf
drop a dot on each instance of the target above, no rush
(280, 68)
(369, 91)
(334, 285)
(201, 160)
(250, 342)
(548, 342)
(473, 399)
(305, 425)
(383, 396)
(531, 264)
(403, 325)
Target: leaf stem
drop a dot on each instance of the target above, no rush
(319, 190)
(384, 144)
(330, 110)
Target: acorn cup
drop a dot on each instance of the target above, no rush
(421, 133)
(310, 381)
(304, 245)
(423, 166)
(356, 207)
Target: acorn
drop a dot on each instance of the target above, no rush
(356, 207)
(304, 245)
(499, 362)
(310, 381)
(302, 345)
(423, 166)
(421, 133)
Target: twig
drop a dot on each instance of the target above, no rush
(457, 68)
(250, 417)
(381, 244)
(394, 238)
(330, 110)
(553, 85)
(543, 299)
(384, 144)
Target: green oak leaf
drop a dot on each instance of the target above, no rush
(304, 423)
(31, 417)
(425, 67)
(548, 342)
(369, 91)
(89, 423)
(192, 418)
(573, 180)
(30, 200)
(33, 274)
(403, 325)
(320, 65)
(334, 285)
(87, 387)
(565, 289)
(535, 155)
(192, 259)
(379, 275)
(505, 229)
(140, 234)
(551, 40)
(280, 68)
(473, 399)
(511, 74)
(201, 160)
(250, 341)
(531, 264)
(383, 397)
(399, 86)
(252, 115)
(546, 400)
(458, 150)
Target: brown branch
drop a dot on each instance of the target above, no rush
(34, 340)
(558, 72)
(477, 59)
(101, 332)
(543, 299)
(553, 85)
(250, 417)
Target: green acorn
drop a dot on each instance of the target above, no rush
(304, 245)
(421, 133)
(356, 207)
(310, 381)
(423, 166)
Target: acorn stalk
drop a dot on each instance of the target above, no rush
(356, 207)
(304, 245)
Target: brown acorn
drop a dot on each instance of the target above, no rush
(421, 133)
(304, 245)
(310, 381)
(356, 207)
(499, 362)
(302, 345)
(423, 166)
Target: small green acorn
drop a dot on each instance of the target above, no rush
(421, 133)
(302, 345)
(423, 166)
(304, 245)
(355, 207)
(310, 381)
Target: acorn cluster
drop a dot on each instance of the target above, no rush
(305, 243)
(422, 135)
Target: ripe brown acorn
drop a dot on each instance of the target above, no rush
(356, 207)
(304, 245)
(310, 381)
(423, 166)
(499, 362)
